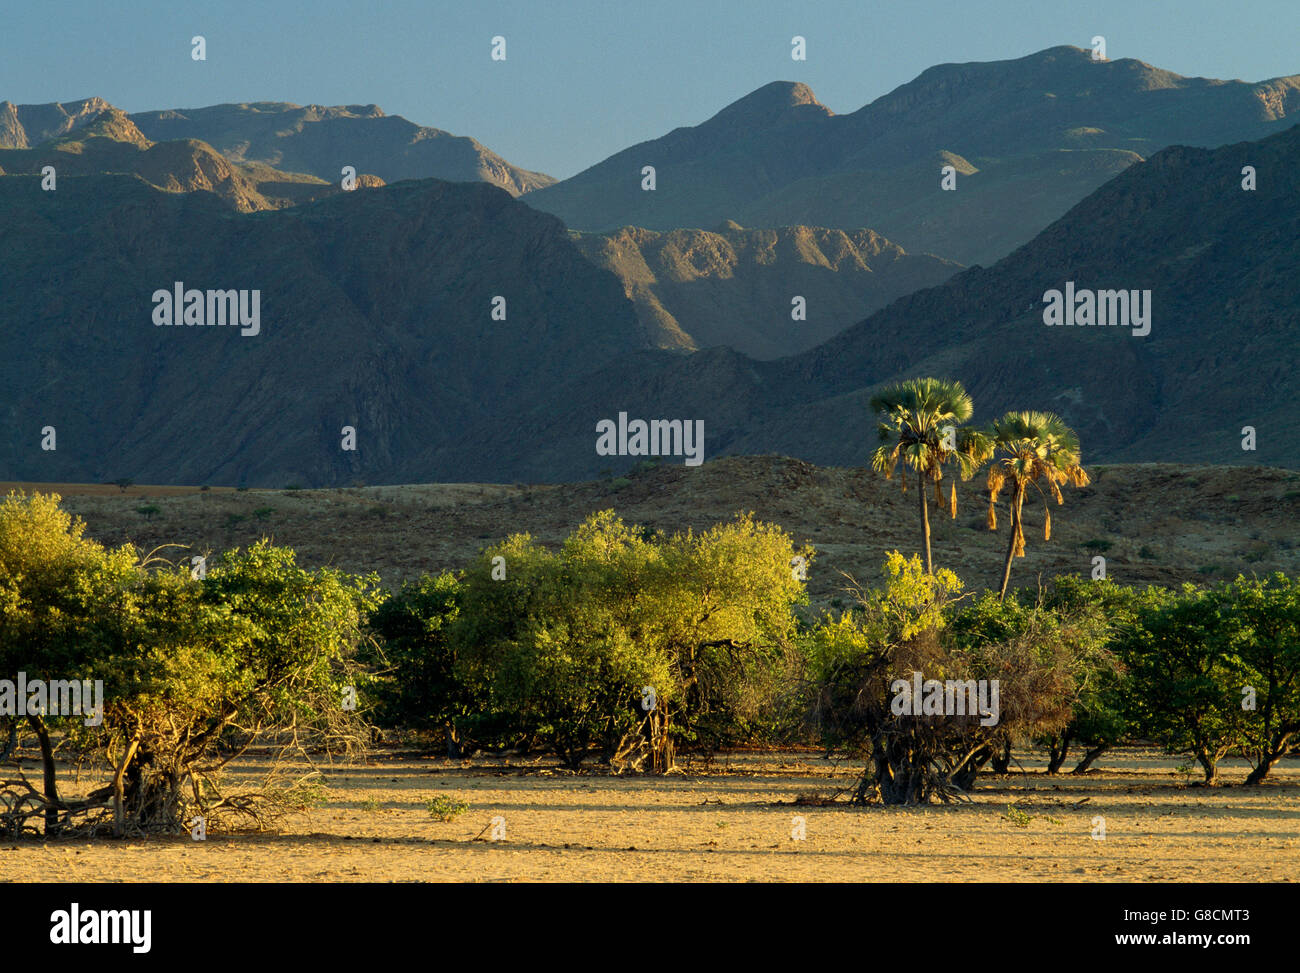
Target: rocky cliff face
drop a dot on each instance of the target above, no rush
(738, 287)
(25, 126)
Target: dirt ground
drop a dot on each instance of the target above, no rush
(730, 822)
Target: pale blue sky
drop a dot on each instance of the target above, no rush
(585, 78)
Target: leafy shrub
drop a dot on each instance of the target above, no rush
(446, 809)
(188, 667)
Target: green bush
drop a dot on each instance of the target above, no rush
(445, 809)
(188, 667)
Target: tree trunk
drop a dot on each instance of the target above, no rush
(1011, 547)
(453, 743)
(1210, 762)
(1261, 770)
(964, 777)
(901, 774)
(1268, 760)
(1002, 758)
(662, 755)
(1082, 766)
(51, 782)
(12, 744)
(119, 812)
(925, 519)
(1057, 750)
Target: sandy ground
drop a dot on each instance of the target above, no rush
(732, 822)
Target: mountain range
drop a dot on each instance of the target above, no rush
(110, 142)
(377, 307)
(1220, 262)
(1026, 139)
(314, 140)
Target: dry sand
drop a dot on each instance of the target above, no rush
(732, 822)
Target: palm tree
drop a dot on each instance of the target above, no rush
(1030, 447)
(920, 421)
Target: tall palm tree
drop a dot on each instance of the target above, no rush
(921, 427)
(1029, 448)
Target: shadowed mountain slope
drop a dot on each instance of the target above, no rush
(374, 312)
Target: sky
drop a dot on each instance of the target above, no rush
(583, 79)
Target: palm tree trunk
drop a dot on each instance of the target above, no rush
(925, 519)
(1011, 545)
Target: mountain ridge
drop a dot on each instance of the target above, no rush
(1039, 133)
(320, 140)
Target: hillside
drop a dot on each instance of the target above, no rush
(1154, 523)
(376, 313)
(1028, 139)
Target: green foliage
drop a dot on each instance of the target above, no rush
(445, 809)
(1182, 676)
(148, 511)
(418, 684)
(560, 648)
(1017, 817)
(1044, 660)
(1261, 633)
(188, 666)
